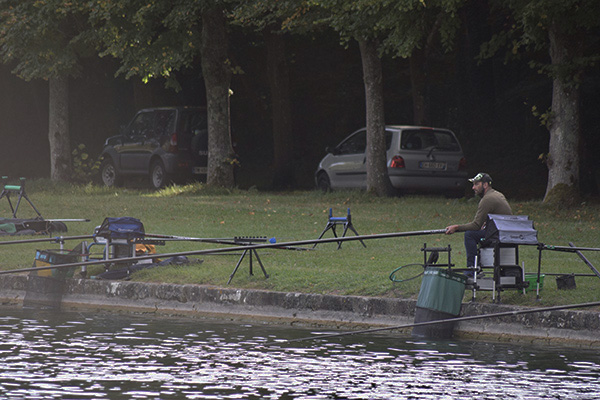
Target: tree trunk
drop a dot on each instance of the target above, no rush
(58, 129)
(563, 157)
(279, 83)
(378, 181)
(419, 71)
(221, 158)
(418, 79)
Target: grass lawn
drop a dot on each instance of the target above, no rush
(353, 270)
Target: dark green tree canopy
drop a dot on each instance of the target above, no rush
(43, 39)
(151, 39)
(524, 27)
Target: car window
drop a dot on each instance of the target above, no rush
(388, 139)
(428, 139)
(165, 122)
(355, 144)
(446, 141)
(193, 122)
(142, 125)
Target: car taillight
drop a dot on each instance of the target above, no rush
(173, 143)
(397, 162)
(462, 164)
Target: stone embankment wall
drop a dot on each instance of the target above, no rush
(343, 312)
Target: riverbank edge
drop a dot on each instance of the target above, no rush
(575, 327)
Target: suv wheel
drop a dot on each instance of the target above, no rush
(158, 175)
(109, 174)
(323, 182)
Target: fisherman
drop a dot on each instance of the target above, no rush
(492, 202)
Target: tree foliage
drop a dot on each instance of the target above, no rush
(523, 32)
(400, 26)
(43, 38)
(151, 39)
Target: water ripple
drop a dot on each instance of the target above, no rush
(101, 356)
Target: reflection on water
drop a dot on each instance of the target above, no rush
(102, 356)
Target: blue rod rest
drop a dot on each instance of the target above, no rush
(333, 221)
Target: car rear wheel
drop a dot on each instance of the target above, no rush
(158, 175)
(108, 172)
(323, 182)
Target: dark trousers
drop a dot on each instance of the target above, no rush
(472, 238)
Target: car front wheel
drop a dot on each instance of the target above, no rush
(158, 175)
(109, 174)
(323, 182)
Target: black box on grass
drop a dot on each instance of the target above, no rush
(565, 282)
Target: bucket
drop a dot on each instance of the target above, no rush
(440, 298)
(532, 279)
(565, 282)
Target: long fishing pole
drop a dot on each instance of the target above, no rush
(440, 321)
(67, 220)
(566, 249)
(232, 241)
(195, 239)
(57, 239)
(228, 249)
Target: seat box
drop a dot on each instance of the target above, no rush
(514, 229)
(508, 256)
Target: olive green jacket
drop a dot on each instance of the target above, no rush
(492, 202)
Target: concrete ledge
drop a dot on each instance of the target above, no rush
(350, 312)
(239, 303)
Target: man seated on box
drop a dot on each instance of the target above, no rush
(492, 202)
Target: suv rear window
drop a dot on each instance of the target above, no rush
(192, 122)
(427, 139)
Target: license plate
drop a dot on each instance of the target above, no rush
(432, 165)
(199, 170)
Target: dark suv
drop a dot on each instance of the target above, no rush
(164, 144)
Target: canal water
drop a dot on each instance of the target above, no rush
(85, 355)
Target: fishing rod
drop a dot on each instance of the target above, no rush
(57, 239)
(441, 321)
(236, 241)
(567, 249)
(207, 240)
(232, 241)
(228, 249)
(67, 220)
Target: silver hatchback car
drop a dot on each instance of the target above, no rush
(419, 159)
